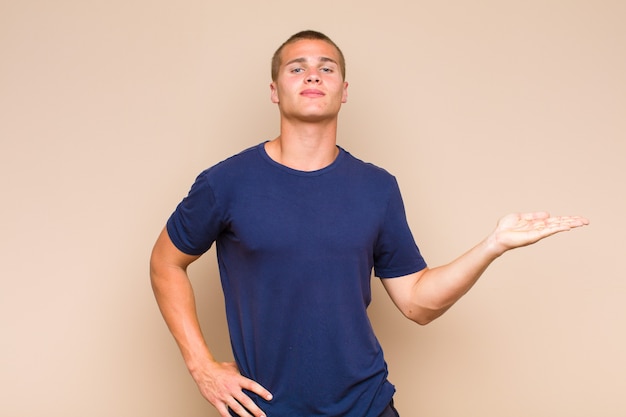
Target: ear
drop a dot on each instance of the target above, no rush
(344, 97)
(274, 93)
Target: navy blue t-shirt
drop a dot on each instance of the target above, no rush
(296, 251)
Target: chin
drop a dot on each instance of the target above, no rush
(313, 116)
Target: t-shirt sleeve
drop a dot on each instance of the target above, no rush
(396, 253)
(197, 220)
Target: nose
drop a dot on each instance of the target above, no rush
(313, 78)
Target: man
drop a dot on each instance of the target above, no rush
(299, 225)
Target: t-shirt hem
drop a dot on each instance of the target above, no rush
(400, 273)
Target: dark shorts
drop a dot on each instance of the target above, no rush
(390, 411)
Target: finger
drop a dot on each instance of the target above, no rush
(250, 384)
(557, 225)
(249, 405)
(577, 221)
(568, 221)
(222, 409)
(239, 409)
(257, 388)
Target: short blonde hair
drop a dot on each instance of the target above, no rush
(310, 35)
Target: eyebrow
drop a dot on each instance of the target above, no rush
(302, 59)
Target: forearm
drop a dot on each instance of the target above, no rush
(175, 298)
(437, 289)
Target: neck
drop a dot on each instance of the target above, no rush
(305, 146)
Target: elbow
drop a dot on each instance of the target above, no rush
(423, 321)
(420, 318)
(424, 315)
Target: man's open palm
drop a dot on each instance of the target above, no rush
(522, 229)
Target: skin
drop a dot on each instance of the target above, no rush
(309, 92)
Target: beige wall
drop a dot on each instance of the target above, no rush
(108, 110)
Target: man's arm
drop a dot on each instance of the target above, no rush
(220, 383)
(427, 294)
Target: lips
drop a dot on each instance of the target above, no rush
(311, 92)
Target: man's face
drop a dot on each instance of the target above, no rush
(309, 85)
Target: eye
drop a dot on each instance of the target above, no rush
(326, 69)
(297, 70)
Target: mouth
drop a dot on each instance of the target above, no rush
(311, 92)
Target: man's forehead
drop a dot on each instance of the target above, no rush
(309, 49)
(309, 59)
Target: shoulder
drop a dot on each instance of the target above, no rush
(244, 157)
(368, 167)
(241, 162)
(368, 171)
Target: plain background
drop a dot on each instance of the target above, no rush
(109, 109)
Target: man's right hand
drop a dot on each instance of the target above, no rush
(222, 385)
